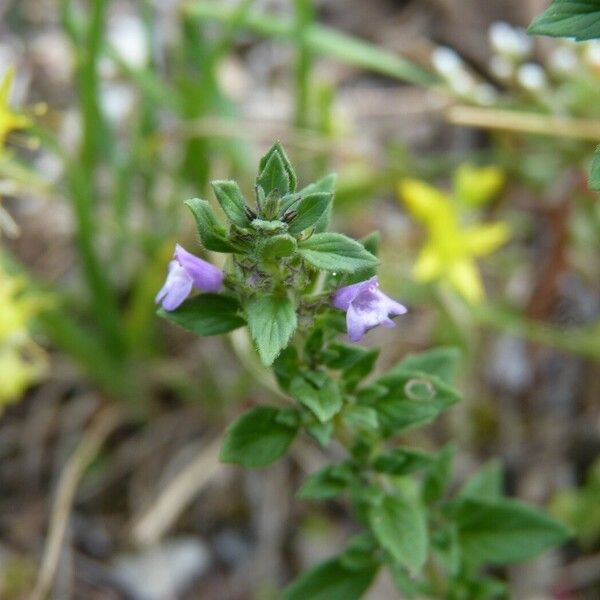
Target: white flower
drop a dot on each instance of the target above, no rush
(532, 77)
(563, 60)
(509, 41)
(447, 62)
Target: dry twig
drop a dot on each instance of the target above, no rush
(178, 492)
(103, 425)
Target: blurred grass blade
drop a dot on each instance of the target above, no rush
(584, 341)
(321, 40)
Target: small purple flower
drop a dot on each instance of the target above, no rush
(366, 307)
(187, 271)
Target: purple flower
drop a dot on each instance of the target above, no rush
(366, 307)
(187, 271)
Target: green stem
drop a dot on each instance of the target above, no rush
(304, 19)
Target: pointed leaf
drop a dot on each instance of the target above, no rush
(401, 528)
(260, 436)
(504, 531)
(231, 201)
(579, 19)
(402, 461)
(272, 321)
(277, 148)
(413, 399)
(331, 580)
(486, 484)
(274, 176)
(324, 401)
(325, 184)
(309, 210)
(336, 252)
(212, 234)
(328, 482)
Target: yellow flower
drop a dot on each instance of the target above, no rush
(450, 251)
(475, 186)
(18, 371)
(22, 361)
(9, 120)
(15, 309)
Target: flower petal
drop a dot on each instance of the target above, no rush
(355, 324)
(426, 202)
(204, 276)
(429, 265)
(465, 278)
(484, 239)
(345, 295)
(176, 289)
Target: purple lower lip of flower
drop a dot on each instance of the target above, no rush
(187, 271)
(366, 307)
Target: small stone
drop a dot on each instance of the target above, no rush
(162, 572)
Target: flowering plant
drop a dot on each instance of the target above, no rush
(290, 281)
(451, 249)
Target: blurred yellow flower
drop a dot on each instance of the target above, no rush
(18, 371)
(9, 120)
(450, 251)
(15, 309)
(475, 186)
(22, 361)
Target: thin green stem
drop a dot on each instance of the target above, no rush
(304, 59)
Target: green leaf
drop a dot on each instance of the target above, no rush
(325, 184)
(277, 148)
(361, 552)
(278, 246)
(361, 368)
(336, 252)
(579, 19)
(504, 530)
(442, 362)
(401, 528)
(272, 321)
(343, 356)
(407, 586)
(274, 176)
(371, 242)
(361, 418)
(309, 210)
(331, 580)
(325, 400)
(328, 482)
(232, 202)
(439, 475)
(321, 432)
(486, 484)
(413, 399)
(260, 436)
(402, 461)
(286, 366)
(212, 234)
(206, 314)
(595, 172)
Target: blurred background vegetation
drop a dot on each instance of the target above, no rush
(462, 140)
